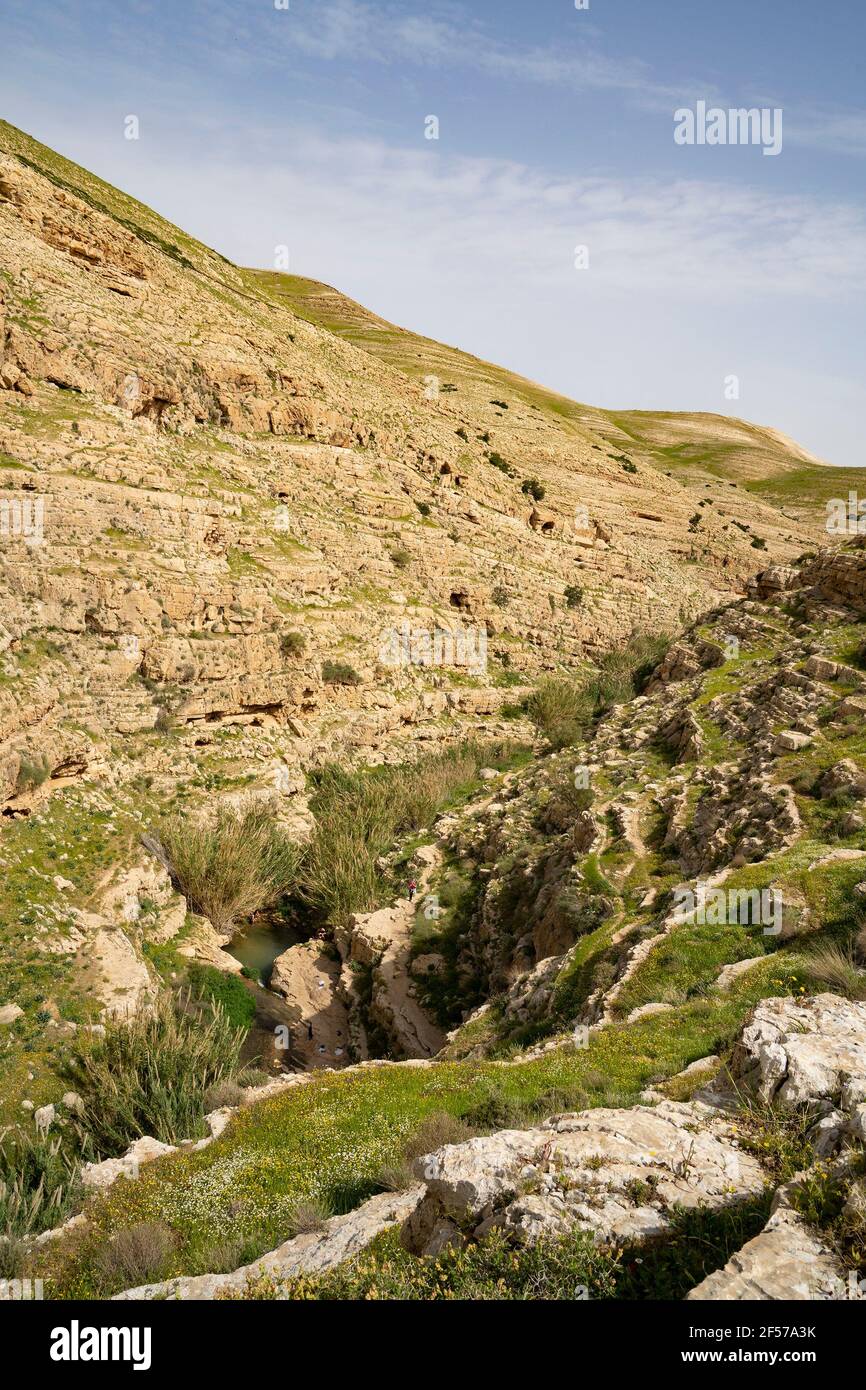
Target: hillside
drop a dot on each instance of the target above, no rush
(699, 450)
(661, 1092)
(365, 712)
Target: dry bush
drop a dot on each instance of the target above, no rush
(137, 1255)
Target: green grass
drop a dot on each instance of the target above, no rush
(228, 992)
(331, 1137)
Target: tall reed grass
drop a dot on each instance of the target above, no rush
(149, 1074)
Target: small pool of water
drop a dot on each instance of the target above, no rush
(258, 947)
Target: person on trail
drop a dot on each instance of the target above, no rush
(413, 888)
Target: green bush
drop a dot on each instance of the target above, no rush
(499, 462)
(238, 864)
(533, 488)
(292, 643)
(150, 1074)
(573, 596)
(560, 710)
(339, 673)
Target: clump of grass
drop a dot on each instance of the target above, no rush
(308, 1214)
(434, 1132)
(401, 558)
(224, 1093)
(39, 1185)
(231, 867)
(150, 1074)
(835, 966)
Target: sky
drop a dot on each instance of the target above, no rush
(555, 226)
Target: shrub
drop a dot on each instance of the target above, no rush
(137, 1255)
(629, 467)
(759, 543)
(533, 488)
(292, 643)
(226, 1094)
(238, 864)
(424, 508)
(573, 596)
(559, 710)
(339, 673)
(400, 558)
(503, 405)
(499, 462)
(501, 597)
(32, 772)
(462, 434)
(165, 721)
(150, 1074)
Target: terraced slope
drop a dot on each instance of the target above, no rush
(700, 450)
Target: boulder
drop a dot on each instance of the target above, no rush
(614, 1173)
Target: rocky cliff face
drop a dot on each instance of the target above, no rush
(193, 473)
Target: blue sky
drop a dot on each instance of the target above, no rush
(305, 127)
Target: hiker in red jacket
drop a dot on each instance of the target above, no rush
(413, 888)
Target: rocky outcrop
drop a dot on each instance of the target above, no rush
(615, 1173)
(785, 1261)
(807, 1054)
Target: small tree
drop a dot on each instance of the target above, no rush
(533, 488)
